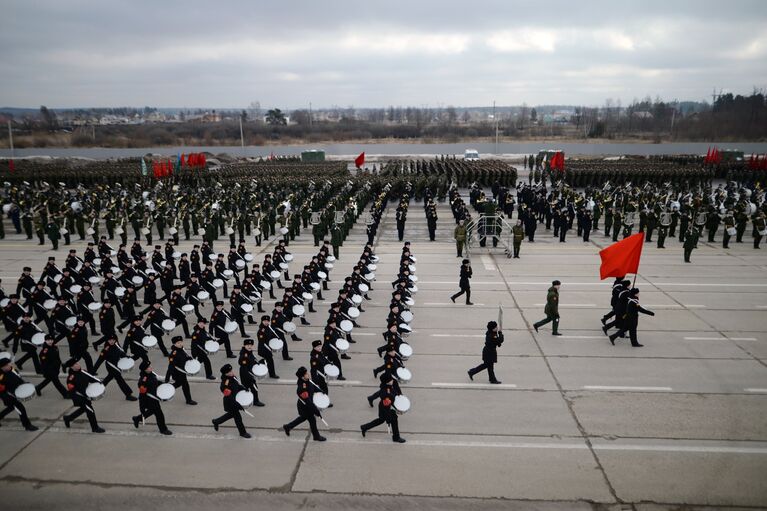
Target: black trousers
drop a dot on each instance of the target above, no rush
(235, 414)
(305, 417)
(632, 335)
(52, 377)
(463, 290)
(147, 408)
(393, 422)
(84, 406)
(202, 357)
(11, 403)
(76, 355)
(481, 367)
(179, 380)
(29, 352)
(116, 375)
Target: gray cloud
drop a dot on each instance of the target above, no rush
(288, 53)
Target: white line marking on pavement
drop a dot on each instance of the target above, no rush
(582, 336)
(705, 338)
(474, 385)
(618, 387)
(761, 306)
(695, 306)
(570, 304)
(682, 448)
(444, 304)
(760, 391)
(456, 335)
(742, 338)
(487, 263)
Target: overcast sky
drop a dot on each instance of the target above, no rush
(286, 53)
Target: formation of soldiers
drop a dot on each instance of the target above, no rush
(440, 172)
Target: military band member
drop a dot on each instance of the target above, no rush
(386, 412)
(199, 337)
(148, 402)
(110, 356)
(264, 335)
(9, 382)
(23, 335)
(77, 383)
(230, 386)
(552, 309)
(631, 319)
(50, 365)
(305, 405)
(246, 362)
(176, 361)
(493, 341)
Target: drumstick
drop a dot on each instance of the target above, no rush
(325, 423)
(244, 410)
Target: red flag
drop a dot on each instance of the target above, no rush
(11, 166)
(203, 162)
(708, 155)
(621, 258)
(359, 161)
(183, 161)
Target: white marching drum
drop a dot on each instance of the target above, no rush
(192, 367)
(283, 230)
(407, 316)
(149, 342)
(25, 392)
(5, 301)
(307, 296)
(289, 257)
(203, 296)
(176, 254)
(331, 259)
(265, 284)
(372, 267)
(94, 306)
(95, 281)
(274, 274)
(70, 321)
(57, 278)
(240, 264)
(331, 371)
(374, 258)
(211, 347)
(168, 325)
(212, 257)
(364, 288)
(230, 327)
(403, 375)
(732, 231)
(412, 278)
(201, 231)
(321, 401)
(405, 351)
(95, 391)
(217, 283)
(47, 304)
(413, 289)
(354, 312)
(119, 292)
(125, 364)
(315, 286)
(370, 276)
(260, 371)
(244, 398)
(228, 274)
(75, 289)
(405, 329)
(96, 262)
(275, 344)
(298, 310)
(289, 327)
(248, 257)
(116, 270)
(322, 275)
(342, 345)
(166, 391)
(412, 268)
(401, 404)
(283, 266)
(187, 309)
(357, 299)
(38, 339)
(346, 326)
(329, 266)
(409, 302)
(246, 308)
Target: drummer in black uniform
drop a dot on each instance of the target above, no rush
(386, 412)
(246, 362)
(199, 337)
(230, 386)
(9, 382)
(306, 408)
(148, 402)
(317, 363)
(50, 363)
(176, 362)
(77, 383)
(111, 355)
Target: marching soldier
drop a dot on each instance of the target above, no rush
(463, 282)
(50, 364)
(148, 402)
(230, 386)
(305, 405)
(493, 341)
(386, 412)
(176, 363)
(552, 309)
(77, 384)
(631, 320)
(111, 355)
(9, 382)
(246, 362)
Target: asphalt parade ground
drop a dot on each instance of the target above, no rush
(576, 423)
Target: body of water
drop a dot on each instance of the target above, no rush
(485, 149)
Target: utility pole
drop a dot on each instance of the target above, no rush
(496, 128)
(242, 139)
(10, 136)
(310, 114)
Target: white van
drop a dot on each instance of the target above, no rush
(471, 155)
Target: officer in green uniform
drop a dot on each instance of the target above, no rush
(460, 237)
(40, 229)
(552, 309)
(518, 232)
